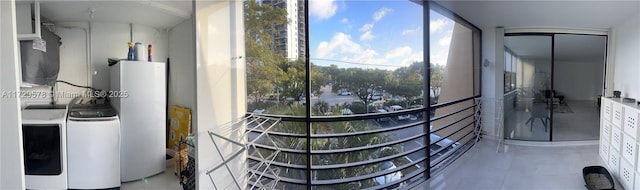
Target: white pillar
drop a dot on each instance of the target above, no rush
(221, 89)
(11, 161)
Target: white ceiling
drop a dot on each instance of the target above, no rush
(568, 47)
(595, 14)
(590, 14)
(154, 13)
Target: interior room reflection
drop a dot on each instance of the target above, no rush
(552, 84)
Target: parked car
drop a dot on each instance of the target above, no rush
(448, 143)
(345, 93)
(418, 115)
(389, 178)
(375, 97)
(347, 111)
(357, 102)
(382, 118)
(396, 108)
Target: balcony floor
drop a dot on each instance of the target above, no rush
(165, 180)
(520, 167)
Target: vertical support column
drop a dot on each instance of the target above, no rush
(307, 92)
(220, 90)
(11, 159)
(499, 82)
(426, 95)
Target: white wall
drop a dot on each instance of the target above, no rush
(183, 64)
(627, 57)
(109, 40)
(455, 82)
(73, 64)
(541, 74)
(73, 60)
(578, 80)
(221, 89)
(11, 161)
(525, 78)
(492, 79)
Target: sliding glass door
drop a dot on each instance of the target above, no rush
(527, 78)
(578, 69)
(552, 83)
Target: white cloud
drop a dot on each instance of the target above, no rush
(367, 56)
(381, 13)
(367, 36)
(323, 9)
(439, 56)
(344, 21)
(398, 52)
(366, 32)
(342, 47)
(416, 57)
(436, 25)
(410, 31)
(366, 27)
(341, 43)
(445, 41)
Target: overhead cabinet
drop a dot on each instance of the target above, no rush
(28, 20)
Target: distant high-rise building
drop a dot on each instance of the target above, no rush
(291, 37)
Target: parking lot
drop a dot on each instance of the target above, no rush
(331, 97)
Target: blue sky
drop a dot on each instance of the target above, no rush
(374, 34)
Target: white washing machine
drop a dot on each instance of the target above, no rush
(93, 143)
(44, 144)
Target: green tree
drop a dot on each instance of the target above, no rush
(320, 107)
(332, 73)
(361, 82)
(435, 84)
(406, 82)
(318, 78)
(260, 23)
(293, 82)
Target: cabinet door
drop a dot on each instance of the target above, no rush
(627, 175)
(614, 161)
(604, 151)
(631, 121)
(26, 11)
(637, 181)
(629, 150)
(607, 109)
(616, 138)
(605, 131)
(618, 113)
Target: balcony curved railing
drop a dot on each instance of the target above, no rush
(360, 151)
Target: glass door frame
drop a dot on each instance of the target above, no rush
(552, 33)
(550, 78)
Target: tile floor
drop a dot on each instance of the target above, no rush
(520, 167)
(516, 167)
(163, 181)
(582, 123)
